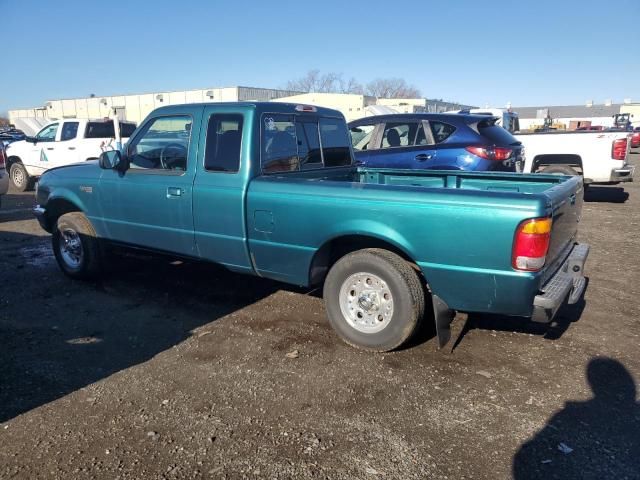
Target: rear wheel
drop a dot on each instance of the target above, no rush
(20, 178)
(75, 246)
(374, 299)
(559, 170)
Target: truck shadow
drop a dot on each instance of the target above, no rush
(605, 194)
(596, 438)
(60, 335)
(17, 207)
(566, 315)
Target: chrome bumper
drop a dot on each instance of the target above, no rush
(568, 281)
(624, 174)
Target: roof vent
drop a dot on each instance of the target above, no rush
(160, 97)
(209, 94)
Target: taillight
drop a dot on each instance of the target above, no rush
(491, 153)
(635, 139)
(531, 244)
(3, 158)
(619, 149)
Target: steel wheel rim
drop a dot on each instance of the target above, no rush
(17, 175)
(366, 302)
(71, 248)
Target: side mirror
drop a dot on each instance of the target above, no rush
(33, 140)
(110, 159)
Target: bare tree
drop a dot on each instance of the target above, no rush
(330, 82)
(391, 88)
(4, 122)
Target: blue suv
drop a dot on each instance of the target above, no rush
(435, 141)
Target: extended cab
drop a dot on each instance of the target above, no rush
(599, 156)
(60, 143)
(270, 189)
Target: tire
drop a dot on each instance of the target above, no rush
(559, 170)
(20, 178)
(374, 299)
(76, 246)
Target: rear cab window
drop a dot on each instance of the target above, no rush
(105, 130)
(291, 142)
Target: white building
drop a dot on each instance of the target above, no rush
(354, 106)
(137, 106)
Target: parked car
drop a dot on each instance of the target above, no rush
(60, 143)
(635, 138)
(270, 189)
(10, 135)
(435, 141)
(4, 177)
(600, 157)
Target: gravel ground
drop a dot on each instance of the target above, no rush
(177, 370)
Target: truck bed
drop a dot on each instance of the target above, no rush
(457, 226)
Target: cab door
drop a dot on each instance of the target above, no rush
(65, 147)
(150, 203)
(41, 153)
(219, 194)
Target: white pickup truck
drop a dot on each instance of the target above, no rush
(60, 143)
(599, 156)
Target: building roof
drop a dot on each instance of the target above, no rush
(570, 111)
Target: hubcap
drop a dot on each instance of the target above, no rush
(366, 302)
(71, 248)
(17, 175)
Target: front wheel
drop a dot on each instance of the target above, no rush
(20, 178)
(374, 299)
(75, 246)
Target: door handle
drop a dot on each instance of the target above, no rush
(424, 156)
(72, 148)
(174, 192)
(49, 148)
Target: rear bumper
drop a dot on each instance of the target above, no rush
(623, 174)
(568, 283)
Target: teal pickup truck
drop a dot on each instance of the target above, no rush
(271, 189)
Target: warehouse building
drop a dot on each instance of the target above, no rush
(136, 107)
(354, 106)
(571, 117)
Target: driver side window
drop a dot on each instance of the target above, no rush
(163, 144)
(48, 133)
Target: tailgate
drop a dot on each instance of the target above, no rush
(566, 209)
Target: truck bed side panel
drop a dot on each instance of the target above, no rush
(462, 240)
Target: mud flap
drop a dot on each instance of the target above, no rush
(443, 317)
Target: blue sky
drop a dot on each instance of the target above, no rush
(478, 52)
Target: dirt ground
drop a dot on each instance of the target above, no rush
(177, 370)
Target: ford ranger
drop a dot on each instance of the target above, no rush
(271, 189)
